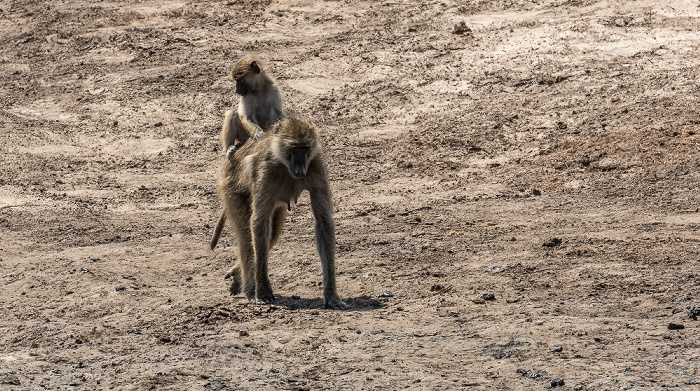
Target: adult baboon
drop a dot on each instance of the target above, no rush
(259, 182)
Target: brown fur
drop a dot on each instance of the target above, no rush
(260, 105)
(258, 184)
(259, 110)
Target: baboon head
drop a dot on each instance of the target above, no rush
(248, 75)
(295, 146)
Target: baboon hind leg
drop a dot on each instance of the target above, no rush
(242, 274)
(235, 275)
(232, 131)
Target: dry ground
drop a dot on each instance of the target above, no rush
(547, 152)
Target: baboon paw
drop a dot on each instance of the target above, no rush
(335, 304)
(257, 135)
(232, 149)
(235, 287)
(234, 273)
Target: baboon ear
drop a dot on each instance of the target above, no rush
(255, 67)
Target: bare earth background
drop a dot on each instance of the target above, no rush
(548, 154)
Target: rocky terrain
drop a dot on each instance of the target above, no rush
(515, 187)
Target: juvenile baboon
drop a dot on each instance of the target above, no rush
(259, 182)
(259, 108)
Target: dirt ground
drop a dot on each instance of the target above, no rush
(515, 187)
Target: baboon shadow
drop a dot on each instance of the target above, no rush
(359, 303)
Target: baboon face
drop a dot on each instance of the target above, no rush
(298, 160)
(295, 146)
(245, 73)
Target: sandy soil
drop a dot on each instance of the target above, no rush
(544, 152)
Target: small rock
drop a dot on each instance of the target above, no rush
(533, 375)
(384, 294)
(675, 326)
(461, 28)
(488, 296)
(556, 383)
(693, 313)
(243, 333)
(536, 192)
(558, 348)
(495, 269)
(553, 242)
(11, 380)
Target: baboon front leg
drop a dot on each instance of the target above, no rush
(325, 244)
(261, 244)
(277, 225)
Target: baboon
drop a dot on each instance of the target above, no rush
(259, 108)
(259, 182)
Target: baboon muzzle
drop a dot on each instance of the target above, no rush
(241, 88)
(298, 161)
(298, 169)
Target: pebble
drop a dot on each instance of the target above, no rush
(556, 383)
(529, 375)
(384, 294)
(553, 242)
(488, 296)
(692, 313)
(558, 348)
(533, 375)
(675, 326)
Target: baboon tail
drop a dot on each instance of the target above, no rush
(217, 231)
